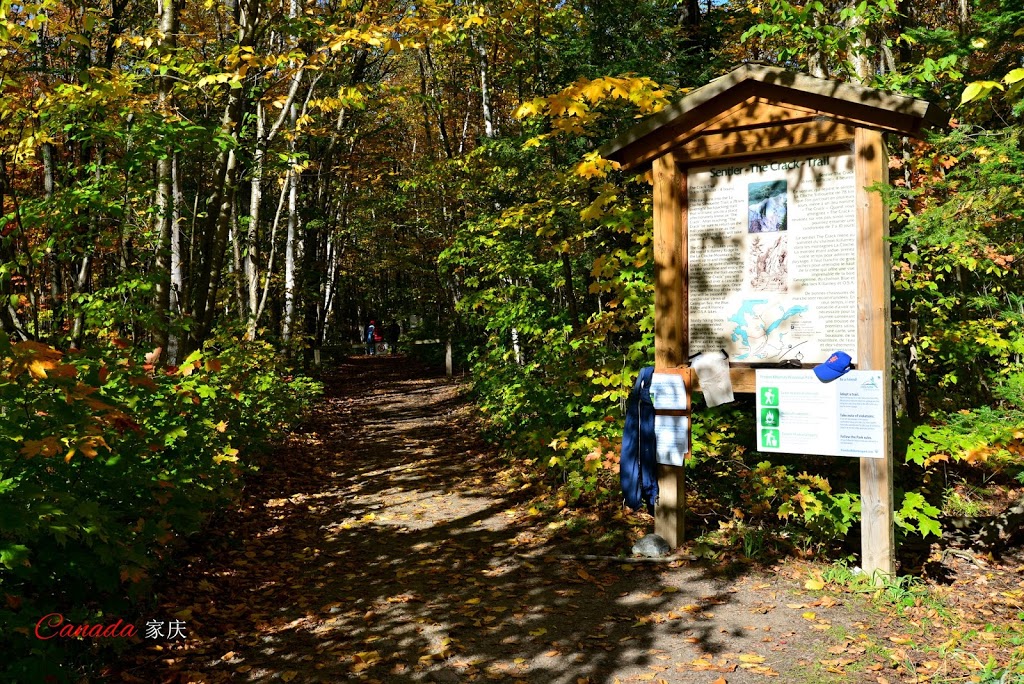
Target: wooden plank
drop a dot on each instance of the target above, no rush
(794, 139)
(743, 380)
(874, 352)
(643, 150)
(670, 513)
(755, 111)
(670, 349)
(670, 325)
(863, 113)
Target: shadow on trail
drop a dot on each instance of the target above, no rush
(378, 545)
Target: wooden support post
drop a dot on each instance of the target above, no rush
(670, 322)
(669, 514)
(874, 352)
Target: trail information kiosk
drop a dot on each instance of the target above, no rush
(769, 244)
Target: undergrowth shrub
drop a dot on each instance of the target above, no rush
(106, 462)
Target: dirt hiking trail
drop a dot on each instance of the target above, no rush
(380, 544)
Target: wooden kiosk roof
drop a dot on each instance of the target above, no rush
(756, 109)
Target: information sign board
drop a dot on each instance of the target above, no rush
(799, 414)
(669, 392)
(672, 435)
(772, 258)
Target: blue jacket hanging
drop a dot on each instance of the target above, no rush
(638, 466)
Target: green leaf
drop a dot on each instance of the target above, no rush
(929, 526)
(14, 554)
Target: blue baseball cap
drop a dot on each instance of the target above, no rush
(836, 365)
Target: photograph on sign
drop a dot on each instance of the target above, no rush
(797, 413)
(668, 392)
(766, 206)
(772, 258)
(672, 436)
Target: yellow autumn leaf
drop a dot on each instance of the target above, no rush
(809, 615)
(594, 211)
(531, 108)
(229, 456)
(576, 109)
(814, 584)
(751, 658)
(37, 369)
(289, 675)
(366, 656)
(594, 90)
(87, 445)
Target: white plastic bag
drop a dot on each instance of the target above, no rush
(712, 369)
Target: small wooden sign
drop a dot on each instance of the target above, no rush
(670, 392)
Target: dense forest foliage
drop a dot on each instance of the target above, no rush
(195, 195)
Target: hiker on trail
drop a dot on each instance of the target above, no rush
(394, 331)
(371, 338)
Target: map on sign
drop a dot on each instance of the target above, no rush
(765, 331)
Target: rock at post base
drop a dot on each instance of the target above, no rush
(652, 546)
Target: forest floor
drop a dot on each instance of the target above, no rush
(385, 542)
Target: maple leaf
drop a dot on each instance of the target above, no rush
(88, 445)
(132, 574)
(47, 446)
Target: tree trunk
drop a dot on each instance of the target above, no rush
(177, 294)
(570, 292)
(215, 233)
(289, 256)
(250, 264)
(485, 89)
(863, 67)
(164, 180)
(435, 96)
(8, 313)
(816, 61)
(293, 216)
